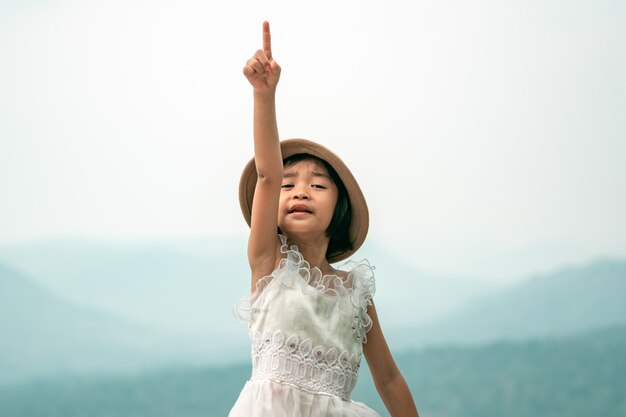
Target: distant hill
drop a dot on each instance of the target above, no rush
(581, 375)
(190, 285)
(575, 377)
(83, 297)
(564, 302)
(41, 334)
(164, 285)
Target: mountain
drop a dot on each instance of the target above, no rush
(40, 333)
(77, 299)
(575, 376)
(67, 304)
(566, 301)
(190, 285)
(168, 286)
(578, 375)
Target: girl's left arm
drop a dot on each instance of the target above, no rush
(388, 380)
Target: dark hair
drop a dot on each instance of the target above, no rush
(339, 228)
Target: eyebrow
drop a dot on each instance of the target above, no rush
(291, 174)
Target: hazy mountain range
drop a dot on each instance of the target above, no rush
(187, 286)
(575, 376)
(76, 307)
(561, 303)
(42, 334)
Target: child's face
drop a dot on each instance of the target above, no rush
(307, 199)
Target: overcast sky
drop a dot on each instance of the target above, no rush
(489, 136)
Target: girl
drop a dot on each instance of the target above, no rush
(309, 322)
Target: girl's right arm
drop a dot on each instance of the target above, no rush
(263, 74)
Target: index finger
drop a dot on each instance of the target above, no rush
(267, 40)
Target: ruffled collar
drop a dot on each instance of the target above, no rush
(352, 292)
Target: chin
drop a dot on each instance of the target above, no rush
(301, 229)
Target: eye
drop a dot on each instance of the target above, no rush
(286, 185)
(320, 186)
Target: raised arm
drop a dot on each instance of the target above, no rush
(263, 73)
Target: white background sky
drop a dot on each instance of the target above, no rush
(489, 136)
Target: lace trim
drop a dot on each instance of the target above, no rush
(318, 369)
(355, 291)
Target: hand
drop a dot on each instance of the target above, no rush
(261, 70)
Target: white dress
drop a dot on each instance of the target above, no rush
(307, 332)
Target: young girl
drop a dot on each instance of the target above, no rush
(309, 322)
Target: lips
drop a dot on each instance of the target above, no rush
(299, 208)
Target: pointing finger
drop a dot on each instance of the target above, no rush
(267, 40)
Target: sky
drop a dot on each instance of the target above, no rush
(489, 137)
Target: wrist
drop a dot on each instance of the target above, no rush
(265, 95)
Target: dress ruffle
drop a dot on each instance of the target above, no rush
(268, 398)
(355, 291)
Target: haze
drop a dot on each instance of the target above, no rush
(487, 136)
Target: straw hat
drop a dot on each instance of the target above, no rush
(289, 147)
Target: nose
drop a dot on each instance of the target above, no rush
(301, 194)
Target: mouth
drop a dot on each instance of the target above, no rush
(299, 209)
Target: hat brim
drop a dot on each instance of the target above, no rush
(359, 215)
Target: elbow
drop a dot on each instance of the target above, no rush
(390, 379)
(274, 174)
(269, 179)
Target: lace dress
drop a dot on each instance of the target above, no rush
(307, 332)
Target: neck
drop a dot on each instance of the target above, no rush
(313, 250)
